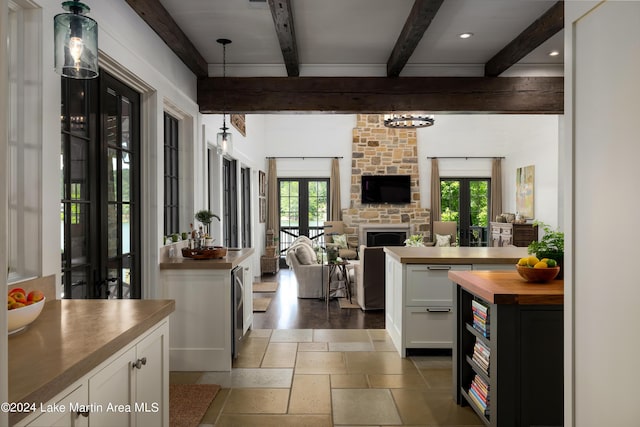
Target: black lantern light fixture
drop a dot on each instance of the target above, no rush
(76, 42)
(408, 120)
(224, 137)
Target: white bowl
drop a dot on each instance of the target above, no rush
(20, 318)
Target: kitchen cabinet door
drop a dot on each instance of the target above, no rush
(74, 395)
(152, 379)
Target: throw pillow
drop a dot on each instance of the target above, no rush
(340, 240)
(305, 254)
(443, 240)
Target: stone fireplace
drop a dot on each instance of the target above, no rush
(377, 150)
(384, 234)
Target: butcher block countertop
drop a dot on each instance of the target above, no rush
(230, 261)
(69, 339)
(507, 287)
(456, 255)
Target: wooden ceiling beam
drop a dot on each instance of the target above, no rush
(422, 13)
(282, 14)
(157, 17)
(533, 36)
(507, 95)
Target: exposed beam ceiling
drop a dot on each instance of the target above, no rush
(283, 21)
(157, 17)
(533, 36)
(422, 13)
(508, 95)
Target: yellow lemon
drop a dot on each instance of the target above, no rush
(552, 263)
(523, 261)
(532, 260)
(544, 260)
(540, 265)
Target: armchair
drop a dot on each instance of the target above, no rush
(444, 228)
(346, 249)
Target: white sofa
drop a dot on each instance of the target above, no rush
(310, 275)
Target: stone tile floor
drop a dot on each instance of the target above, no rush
(331, 377)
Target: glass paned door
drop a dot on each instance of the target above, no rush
(466, 201)
(304, 207)
(99, 209)
(120, 167)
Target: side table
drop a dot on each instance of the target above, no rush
(342, 268)
(269, 264)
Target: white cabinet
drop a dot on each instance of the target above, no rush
(69, 399)
(201, 325)
(428, 305)
(130, 388)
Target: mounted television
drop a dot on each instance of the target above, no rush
(386, 189)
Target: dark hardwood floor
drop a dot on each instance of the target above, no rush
(287, 311)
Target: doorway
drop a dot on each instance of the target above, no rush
(304, 207)
(100, 189)
(467, 201)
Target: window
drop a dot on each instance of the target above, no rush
(230, 202)
(466, 201)
(171, 173)
(304, 207)
(24, 142)
(246, 207)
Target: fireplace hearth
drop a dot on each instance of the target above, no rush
(384, 234)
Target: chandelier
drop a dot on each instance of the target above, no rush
(408, 120)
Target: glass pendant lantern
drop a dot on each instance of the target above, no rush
(224, 137)
(76, 42)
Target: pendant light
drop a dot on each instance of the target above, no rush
(76, 42)
(224, 137)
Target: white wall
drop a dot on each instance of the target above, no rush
(601, 283)
(522, 139)
(4, 179)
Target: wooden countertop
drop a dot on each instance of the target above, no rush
(69, 339)
(455, 255)
(233, 258)
(507, 287)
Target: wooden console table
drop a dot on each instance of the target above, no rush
(522, 338)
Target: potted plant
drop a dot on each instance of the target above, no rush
(550, 245)
(205, 216)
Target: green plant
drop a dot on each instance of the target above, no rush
(205, 216)
(551, 242)
(415, 240)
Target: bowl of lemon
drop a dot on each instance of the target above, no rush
(537, 270)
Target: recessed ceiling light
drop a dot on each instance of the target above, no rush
(465, 35)
(554, 53)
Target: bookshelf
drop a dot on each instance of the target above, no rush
(509, 371)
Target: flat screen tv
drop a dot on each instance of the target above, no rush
(386, 189)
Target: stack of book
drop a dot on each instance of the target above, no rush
(479, 394)
(480, 317)
(481, 355)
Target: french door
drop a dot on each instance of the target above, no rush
(466, 201)
(100, 189)
(304, 207)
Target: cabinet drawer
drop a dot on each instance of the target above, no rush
(429, 327)
(429, 285)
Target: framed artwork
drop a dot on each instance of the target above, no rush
(263, 209)
(262, 184)
(524, 191)
(237, 121)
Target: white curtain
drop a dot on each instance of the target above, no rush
(273, 214)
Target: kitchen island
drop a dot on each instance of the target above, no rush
(419, 295)
(214, 309)
(508, 352)
(72, 343)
